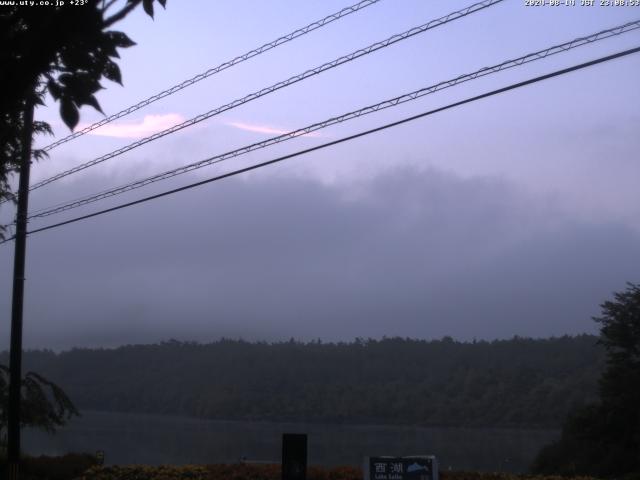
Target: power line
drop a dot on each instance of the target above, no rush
(12, 235)
(348, 138)
(277, 86)
(345, 139)
(6, 240)
(223, 66)
(601, 35)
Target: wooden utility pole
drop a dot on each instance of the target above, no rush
(15, 356)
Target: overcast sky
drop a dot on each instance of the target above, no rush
(514, 215)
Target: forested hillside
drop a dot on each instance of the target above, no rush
(517, 382)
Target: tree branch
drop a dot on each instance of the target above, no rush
(116, 17)
(107, 6)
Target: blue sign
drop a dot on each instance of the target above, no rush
(419, 467)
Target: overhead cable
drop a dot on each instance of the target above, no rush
(601, 35)
(277, 86)
(212, 71)
(514, 86)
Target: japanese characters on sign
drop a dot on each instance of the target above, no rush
(400, 468)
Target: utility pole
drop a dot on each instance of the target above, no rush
(15, 356)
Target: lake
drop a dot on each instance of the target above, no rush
(156, 439)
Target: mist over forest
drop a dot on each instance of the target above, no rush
(519, 382)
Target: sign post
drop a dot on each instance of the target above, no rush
(294, 456)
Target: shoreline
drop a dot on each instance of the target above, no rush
(322, 422)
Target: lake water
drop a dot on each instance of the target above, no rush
(154, 439)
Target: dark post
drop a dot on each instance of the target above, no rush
(15, 365)
(294, 456)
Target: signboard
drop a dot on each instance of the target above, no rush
(419, 467)
(100, 457)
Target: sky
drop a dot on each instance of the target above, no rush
(514, 215)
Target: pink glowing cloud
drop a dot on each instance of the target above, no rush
(265, 129)
(149, 125)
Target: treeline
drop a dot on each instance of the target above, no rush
(517, 382)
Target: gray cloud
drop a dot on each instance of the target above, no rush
(410, 253)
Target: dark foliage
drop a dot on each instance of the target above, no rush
(67, 467)
(603, 439)
(44, 404)
(241, 471)
(518, 382)
(65, 51)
